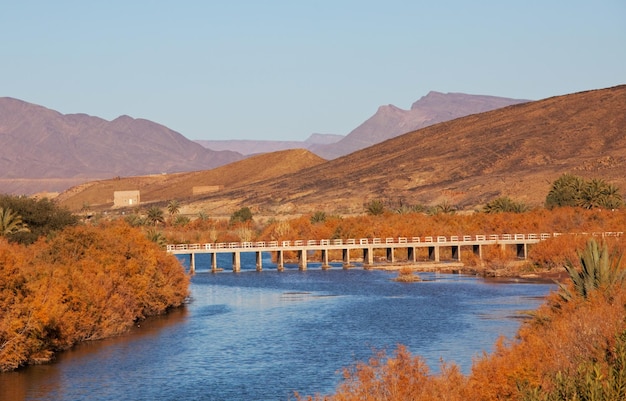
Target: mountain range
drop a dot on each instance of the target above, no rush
(42, 149)
(253, 146)
(390, 121)
(515, 151)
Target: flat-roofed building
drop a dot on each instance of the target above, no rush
(125, 198)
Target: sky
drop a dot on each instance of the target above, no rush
(283, 70)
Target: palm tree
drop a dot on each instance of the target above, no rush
(157, 237)
(565, 191)
(173, 207)
(444, 207)
(181, 221)
(375, 207)
(611, 198)
(505, 204)
(11, 222)
(591, 195)
(318, 217)
(155, 215)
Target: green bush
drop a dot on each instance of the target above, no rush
(41, 216)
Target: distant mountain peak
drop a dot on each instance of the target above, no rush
(390, 121)
(39, 144)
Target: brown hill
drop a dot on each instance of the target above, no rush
(516, 151)
(41, 149)
(391, 121)
(165, 187)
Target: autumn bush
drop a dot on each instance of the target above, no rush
(573, 348)
(84, 283)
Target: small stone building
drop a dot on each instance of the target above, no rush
(125, 198)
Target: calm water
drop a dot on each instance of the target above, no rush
(261, 336)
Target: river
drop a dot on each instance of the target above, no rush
(263, 335)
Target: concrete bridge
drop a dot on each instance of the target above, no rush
(366, 246)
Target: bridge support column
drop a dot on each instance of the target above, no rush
(346, 257)
(456, 252)
(522, 251)
(433, 253)
(192, 263)
(478, 250)
(411, 254)
(390, 255)
(236, 262)
(259, 261)
(280, 261)
(302, 262)
(214, 262)
(368, 257)
(325, 264)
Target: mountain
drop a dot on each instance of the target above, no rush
(390, 121)
(516, 151)
(42, 149)
(251, 146)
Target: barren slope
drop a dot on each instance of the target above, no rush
(165, 187)
(516, 151)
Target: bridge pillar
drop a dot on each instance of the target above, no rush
(522, 251)
(302, 262)
(236, 262)
(192, 263)
(433, 253)
(346, 257)
(259, 261)
(411, 254)
(280, 261)
(368, 256)
(456, 252)
(478, 250)
(214, 262)
(390, 255)
(325, 264)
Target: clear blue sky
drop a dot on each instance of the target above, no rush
(282, 70)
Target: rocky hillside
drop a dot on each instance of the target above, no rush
(41, 149)
(517, 151)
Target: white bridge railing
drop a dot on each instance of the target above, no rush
(362, 242)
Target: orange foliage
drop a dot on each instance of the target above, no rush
(85, 283)
(561, 337)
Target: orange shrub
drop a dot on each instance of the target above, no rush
(85, 283)
(562, 340)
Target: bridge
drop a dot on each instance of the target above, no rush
(366, 246)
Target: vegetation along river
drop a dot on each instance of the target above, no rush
(263, 335)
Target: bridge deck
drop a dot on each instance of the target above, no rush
(366, 245)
